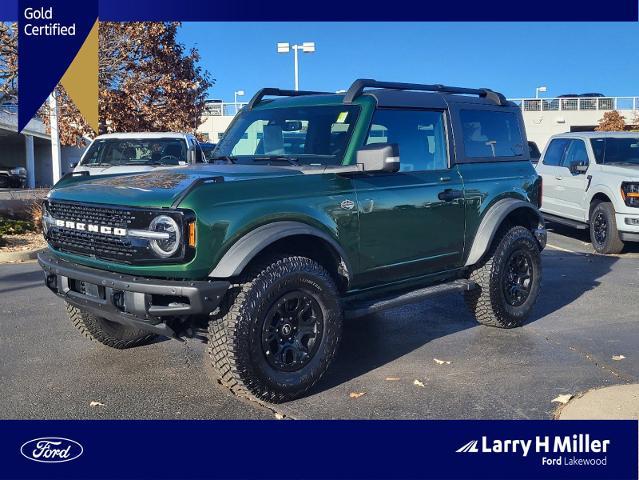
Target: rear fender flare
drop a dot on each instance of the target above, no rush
(492, 221)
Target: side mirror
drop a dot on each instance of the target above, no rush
(577, 168)
(73, 165)
(379, 157)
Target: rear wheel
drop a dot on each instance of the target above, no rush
(603, 229)
(278, 330)
(106, 332)
(508, 280)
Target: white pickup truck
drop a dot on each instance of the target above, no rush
(139, 152)
(591, 181)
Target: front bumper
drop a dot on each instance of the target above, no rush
(145, 303)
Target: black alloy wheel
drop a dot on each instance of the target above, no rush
(292, 331)
(518, 278)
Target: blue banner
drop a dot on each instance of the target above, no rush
(319, 449)
(50, 34)
(335, 10)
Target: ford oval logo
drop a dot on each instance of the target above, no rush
(51, 450)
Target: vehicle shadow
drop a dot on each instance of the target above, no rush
(376, 340)
(21, 281)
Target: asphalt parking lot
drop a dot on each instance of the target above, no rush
(429, 360)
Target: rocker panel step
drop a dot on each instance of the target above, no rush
(360, 309)
(565, 221)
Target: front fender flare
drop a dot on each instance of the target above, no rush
(491, 223)
(251, 244)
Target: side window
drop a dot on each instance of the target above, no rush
(555, 152)
(576, 152)
(420, 134)
(491, 134)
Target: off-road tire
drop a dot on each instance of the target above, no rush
(111, 334)
(235, 335)
(487, 302)
(612, 243)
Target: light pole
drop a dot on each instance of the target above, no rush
(539, 90)
(237, 93)
(306, 47)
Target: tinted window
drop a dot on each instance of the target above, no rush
(576, 152)
(152, 151)
(490, 134)
(309, 135)
(616, 150)
(555, 152)
(421, 137)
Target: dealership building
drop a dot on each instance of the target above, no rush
(543, 117)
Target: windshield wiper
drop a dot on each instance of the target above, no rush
(271, 158)
(226, 158)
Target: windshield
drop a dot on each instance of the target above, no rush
(616, 150)
(316, 135)
(148, 151)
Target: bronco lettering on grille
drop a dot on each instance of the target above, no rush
(87, 227)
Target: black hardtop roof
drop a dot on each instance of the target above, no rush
(400, 94)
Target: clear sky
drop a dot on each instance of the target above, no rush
(513, 58)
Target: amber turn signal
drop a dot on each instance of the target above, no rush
(192, 234)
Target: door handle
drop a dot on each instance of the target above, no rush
(559, 178)
(444, 179)
(449, 195)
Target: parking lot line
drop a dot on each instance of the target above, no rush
(554, 247)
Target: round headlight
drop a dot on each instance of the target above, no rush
(167, 246)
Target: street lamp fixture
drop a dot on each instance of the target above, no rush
(539, 90)
(306, 47)
(237, 93)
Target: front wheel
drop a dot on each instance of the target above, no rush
(278, 330)
(604, 235)
(508, 280)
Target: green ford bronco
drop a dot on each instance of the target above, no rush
(314, 208)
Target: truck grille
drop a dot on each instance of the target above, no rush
(108, 247)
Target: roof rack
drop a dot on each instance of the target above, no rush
(358, 86)
(257, 98)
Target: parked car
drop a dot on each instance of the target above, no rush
(399, 193)
(534, 152)
(138, 152)
(591, 181)
(13, 177)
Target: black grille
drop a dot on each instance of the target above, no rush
(124, 249)
(114, 217)
(108, 247)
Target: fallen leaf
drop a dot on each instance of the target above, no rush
(96, 404)
(441, 362)
(418, 383)
(618, 357)
(565, 398)
(279, 416)
(392, 379)
(357, 394)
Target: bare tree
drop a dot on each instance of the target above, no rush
(8, 61)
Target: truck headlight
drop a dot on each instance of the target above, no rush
(630, 193)
(170, 241)
(19, 171)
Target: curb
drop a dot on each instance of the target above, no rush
(17, 257)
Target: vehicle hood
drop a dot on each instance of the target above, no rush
(157, 188)
(118, 169)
